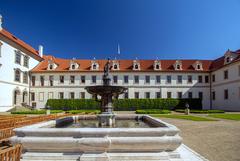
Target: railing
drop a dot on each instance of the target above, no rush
(11, 153)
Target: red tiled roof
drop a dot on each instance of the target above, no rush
(27, 47)
(125, 65)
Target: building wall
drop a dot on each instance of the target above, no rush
(42, 92)
(7, 83)
(232, 84)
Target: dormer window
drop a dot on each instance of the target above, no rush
(157, 65)
(73, 64)
(115, 65)
(178, 65)
(136, 65)
(198, 65)
(229, 56)
(94, 65)
(51, 65)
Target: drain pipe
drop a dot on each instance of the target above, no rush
(210, 79)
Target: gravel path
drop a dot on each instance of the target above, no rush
(215, 140)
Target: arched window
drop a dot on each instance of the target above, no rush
(178, 67)
(73, 66)
(94, 66)
(136, 66)
(17, 75)
(50, 66)
(115, 66)
(157, 66)
(228, 59)
(198, 66)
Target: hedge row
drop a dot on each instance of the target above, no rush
(36, 112)
(201, 111)
(153, 111)
(124, 104)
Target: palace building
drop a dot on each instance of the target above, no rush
(27, 77)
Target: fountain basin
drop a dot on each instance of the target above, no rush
(105, 89)
(160, 138)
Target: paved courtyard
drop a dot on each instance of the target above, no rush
(215, 140)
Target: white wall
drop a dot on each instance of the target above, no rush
(142, 87)
(233, 86)
(7, 83)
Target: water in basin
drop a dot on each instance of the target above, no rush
(131, 123)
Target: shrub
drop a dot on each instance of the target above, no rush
(36, 112)
(84, 111)
(153, 111)
(124, 104)
(201, 111)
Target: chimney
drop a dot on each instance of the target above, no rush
(1, 21)
(40, 50)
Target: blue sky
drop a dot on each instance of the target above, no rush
(146, 29)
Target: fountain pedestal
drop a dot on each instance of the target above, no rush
(106, 119)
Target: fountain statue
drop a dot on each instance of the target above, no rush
(106, 91)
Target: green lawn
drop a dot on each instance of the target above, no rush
(185, 117)
(226, 116)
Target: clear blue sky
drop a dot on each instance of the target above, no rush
(146, 29)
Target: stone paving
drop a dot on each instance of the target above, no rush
(215, 140)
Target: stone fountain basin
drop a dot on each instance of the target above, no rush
(163, 137)
(104, 89)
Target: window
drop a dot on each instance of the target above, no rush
(51, 80)
(18, 57)
(33, 80)
(25, 77)
(169, 79)
(94, 79)
(157, 66)
(50, 95)
(26, 61)
(115, 79)
(42, 80)
(125, 78)
(126, 95)
(198, 66)
(72, 95)
(147, 79)
(206, 79)
(239, 70)
(227, 59)
(115, 66)
(72, 79)
(178, 67)
(41, 96)
(179, 95)
(17, 75)
(32, 96)
(179, 79)
(82, 94)
(225, 74)
(225, 94)
(94, 66)
(213, 78)
(61, 95)
(147, 95)
(0, 49)
(213, 95)
(50, 66)
(199, 79)
(190, 95)
(158, 79)
(61, 79)
(83, 79)
(200, 95)
(158, 94)
(73, 66)
(189, 79)
(136, 66)
(169, 94)
(136, 94)
(136, 79)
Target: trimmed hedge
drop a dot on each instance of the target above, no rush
(153, 111)
(201, 111)
(84, 111)
(124, 104)
(36, 112)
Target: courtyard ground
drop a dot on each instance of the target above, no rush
(215, 140)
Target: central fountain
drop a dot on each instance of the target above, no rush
(106, 92)
(103, 137)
